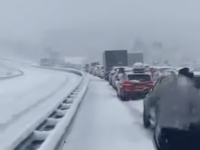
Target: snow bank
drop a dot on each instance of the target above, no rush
(57, 134)
(19, 102)
(8, 72)
(80, 73)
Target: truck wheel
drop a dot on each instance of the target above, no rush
(146, 121)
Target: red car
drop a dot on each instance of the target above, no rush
(136, 85)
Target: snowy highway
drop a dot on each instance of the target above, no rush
(21, 93)
(104, 122)
(25, 98)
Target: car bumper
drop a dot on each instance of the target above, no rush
(133, 94)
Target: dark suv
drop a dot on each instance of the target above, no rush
(150, 110)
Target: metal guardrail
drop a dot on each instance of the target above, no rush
(50, 129)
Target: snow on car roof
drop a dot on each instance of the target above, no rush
(132, 73)
(117, 67)
(161, 67)
(128, 69)
(196, 73)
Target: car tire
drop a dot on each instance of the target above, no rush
(124, 98)
(146, 121)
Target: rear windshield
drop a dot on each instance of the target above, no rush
(197, 82)
(140, 77)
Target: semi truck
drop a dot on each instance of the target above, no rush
(114, 58)
(135, 57)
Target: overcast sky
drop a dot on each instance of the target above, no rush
(87, 27)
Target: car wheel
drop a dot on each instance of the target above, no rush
(124, 98)
(146, 121)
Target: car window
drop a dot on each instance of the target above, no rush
(140, 77)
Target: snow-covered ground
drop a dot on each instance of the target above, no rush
(25, 98)
(105, 123)
(6, 71)
(19, 94)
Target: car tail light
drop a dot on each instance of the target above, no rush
(126, 84)
(150, 83)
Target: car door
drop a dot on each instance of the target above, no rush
(152, 96)
(151, 100)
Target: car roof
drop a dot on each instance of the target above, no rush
(125, 67)
(196, 73)
(128, 69)
(160, 67)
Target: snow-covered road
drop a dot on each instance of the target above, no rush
(105, 123)
(24, 99)
(19, 94)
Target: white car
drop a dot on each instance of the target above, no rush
(102, 73)
(115, 77)
(112, 72)
(98, 70)
(157, 71)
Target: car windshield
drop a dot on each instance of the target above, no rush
(140, 77)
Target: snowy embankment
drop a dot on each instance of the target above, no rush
(6, 72)
(27, 111)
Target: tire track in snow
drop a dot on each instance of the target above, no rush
(137, 113)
